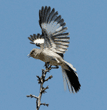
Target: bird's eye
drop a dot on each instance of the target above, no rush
(32, 52)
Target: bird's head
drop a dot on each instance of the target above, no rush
(34, 53)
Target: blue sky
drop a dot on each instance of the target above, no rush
(87, 23)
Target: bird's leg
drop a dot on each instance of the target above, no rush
(50, 66)
(46, 65)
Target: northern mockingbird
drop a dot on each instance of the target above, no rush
(53, 43)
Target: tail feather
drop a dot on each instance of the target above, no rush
(71, 78)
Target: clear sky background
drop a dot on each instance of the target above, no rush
(87, 23)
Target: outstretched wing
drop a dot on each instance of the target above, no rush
(53, 31)
(36, 39)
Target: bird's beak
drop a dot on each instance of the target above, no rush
(28, 55)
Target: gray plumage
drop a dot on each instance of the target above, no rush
(53, 44)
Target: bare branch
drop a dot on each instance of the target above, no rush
(49, 78)
(32, 96)
(45, 104)
(41, 81)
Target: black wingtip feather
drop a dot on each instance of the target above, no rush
(63, 24)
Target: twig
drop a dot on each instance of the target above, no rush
(41, 81)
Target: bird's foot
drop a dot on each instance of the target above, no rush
(50, 66)
(46, 65)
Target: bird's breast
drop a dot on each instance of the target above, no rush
(49, 56)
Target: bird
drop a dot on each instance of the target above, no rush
(53, 43)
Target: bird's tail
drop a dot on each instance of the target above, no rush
(71, 77)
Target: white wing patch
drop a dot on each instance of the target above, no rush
(40, 41)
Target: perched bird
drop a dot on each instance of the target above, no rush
(53, 43)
